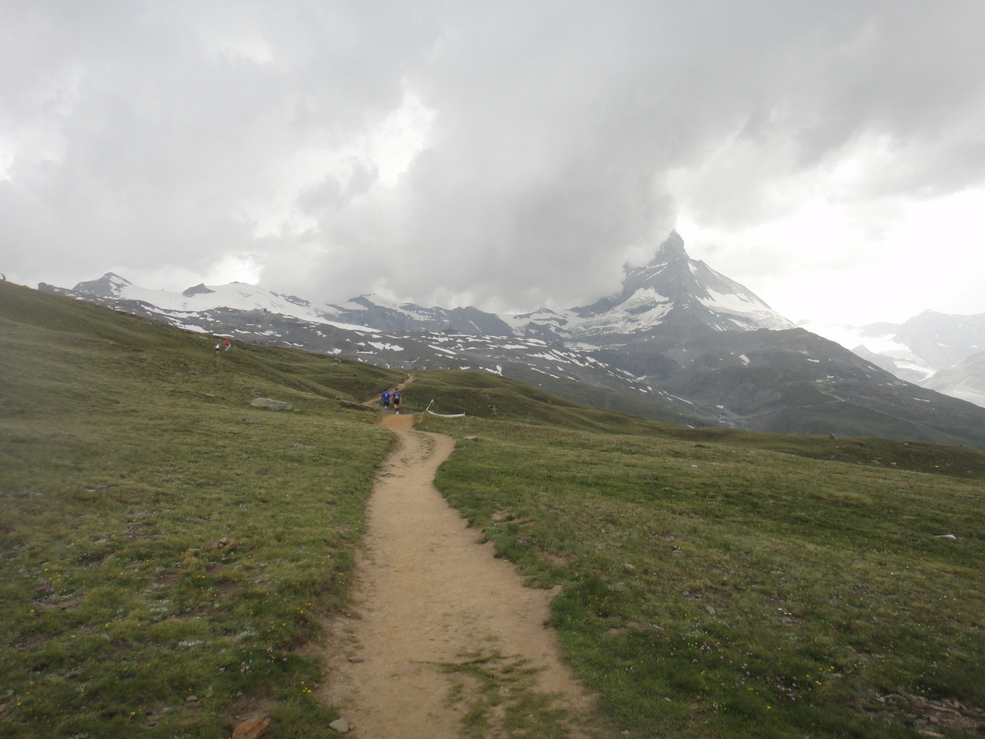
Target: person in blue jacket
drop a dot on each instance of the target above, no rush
(386, 399)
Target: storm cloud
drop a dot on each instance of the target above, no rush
(508, 155)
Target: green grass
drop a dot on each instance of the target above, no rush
(165, 548)
(718, 587)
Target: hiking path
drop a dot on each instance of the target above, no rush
(442, 639)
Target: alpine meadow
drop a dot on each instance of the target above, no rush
(170, 552)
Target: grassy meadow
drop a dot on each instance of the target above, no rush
(165, 547)
(168, 551)
(720, 584)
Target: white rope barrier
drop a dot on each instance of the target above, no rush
(442, 415)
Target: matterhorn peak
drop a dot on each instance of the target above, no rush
(674, 289)
(671, 249)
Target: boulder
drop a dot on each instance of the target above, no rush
(271, 404)
(252, 728)
(340, 725)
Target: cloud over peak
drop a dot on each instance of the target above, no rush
(490, 153)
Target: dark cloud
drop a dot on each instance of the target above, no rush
(145, 135)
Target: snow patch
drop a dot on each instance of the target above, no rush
(381, 346)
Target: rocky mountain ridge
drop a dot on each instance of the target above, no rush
(680, 343)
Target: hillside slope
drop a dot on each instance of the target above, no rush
(724, 584)
(169, 549)
(679, 343)
(162, 539)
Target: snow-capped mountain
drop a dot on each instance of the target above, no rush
(365, 311)
(379, 313)
(924, 349)
(673, 290)
(964, 380)
(234, 296)
(679, 343)
(943, 340)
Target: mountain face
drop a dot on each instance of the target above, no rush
(107, 286)
(925, 349)
(671, 297)
(675, 290)
(943, 340)
(679, 343)
(964, 380)
(374, 312)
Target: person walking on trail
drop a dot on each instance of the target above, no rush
(396, 400)
(385, 397)
(217, 348)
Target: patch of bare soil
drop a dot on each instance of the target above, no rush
(443, 639)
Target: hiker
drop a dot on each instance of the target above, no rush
(386, 399)
(396, 400)
(218, 346)
(227, 345)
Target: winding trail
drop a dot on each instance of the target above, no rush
(443, 639)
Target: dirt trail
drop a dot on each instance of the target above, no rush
(440, 630)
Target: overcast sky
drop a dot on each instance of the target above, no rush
(829, 155)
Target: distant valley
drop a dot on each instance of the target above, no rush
(940, 351)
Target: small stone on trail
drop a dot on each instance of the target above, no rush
(252, 728)
(340, 725)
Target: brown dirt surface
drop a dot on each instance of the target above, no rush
(443, 640)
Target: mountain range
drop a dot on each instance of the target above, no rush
(679, 343)
(937, 350)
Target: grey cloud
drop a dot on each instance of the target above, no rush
(150, 134)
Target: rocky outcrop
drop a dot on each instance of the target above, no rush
(271, 405)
